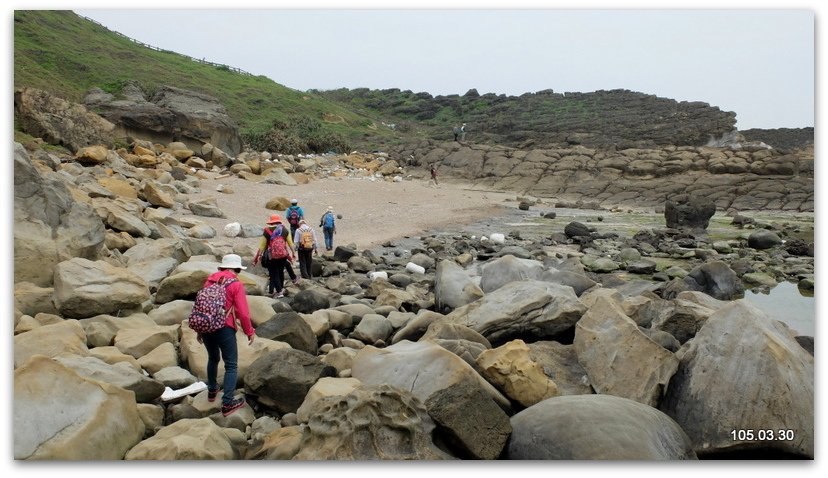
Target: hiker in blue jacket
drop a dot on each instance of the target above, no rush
(294, 214)
(328, 225)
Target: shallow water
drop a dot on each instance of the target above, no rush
(785, 303)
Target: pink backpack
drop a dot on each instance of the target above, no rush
(208, 314)
(277, 246)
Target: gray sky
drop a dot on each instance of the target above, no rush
(757, 63)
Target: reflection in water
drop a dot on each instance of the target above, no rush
(786, 303)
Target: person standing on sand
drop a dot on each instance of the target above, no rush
(328, 225)
(306, 248)
(434, 173)
(294, 214)
(221, 344)
(276, 231)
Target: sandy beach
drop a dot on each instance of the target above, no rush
(372, 212)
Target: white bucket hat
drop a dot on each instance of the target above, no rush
(231, 261)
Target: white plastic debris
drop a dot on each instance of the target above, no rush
(412, 267)
(170, 394)
(232, 230)
(374, 275)
(497, 238)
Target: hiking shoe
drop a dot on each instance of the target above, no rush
(231, 407)
(296, 280)
(276, 295)
(211, 394)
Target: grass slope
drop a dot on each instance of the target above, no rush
(65, 54)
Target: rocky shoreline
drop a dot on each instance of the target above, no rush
(450, 345)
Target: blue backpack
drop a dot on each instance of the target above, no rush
(328, 220)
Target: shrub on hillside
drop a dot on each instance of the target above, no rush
(296, 135)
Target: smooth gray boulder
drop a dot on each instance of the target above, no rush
(596, 427)
(529, 307)
(453, 286)
(744, 371)
(499, 272)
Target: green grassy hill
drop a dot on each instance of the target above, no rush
(65, 54)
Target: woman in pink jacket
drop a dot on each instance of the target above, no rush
(221, 344)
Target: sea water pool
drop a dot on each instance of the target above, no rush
(786, 303)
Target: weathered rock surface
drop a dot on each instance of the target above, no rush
(171, 114)
(370, 423)
(537, 307)
(596, 427)
(618, 358)
(639, 177)
(187, 439)
(86, 421)
(58, 121)
(744, 371)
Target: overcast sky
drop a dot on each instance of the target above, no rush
(757, 63)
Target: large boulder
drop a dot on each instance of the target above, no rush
(171, 114)
(688, 212)
(64, 337)
(715, 279)
(560, 363)
(596, 427)
(512, 370)
(541, 309)
(58, 121)
(281, 379)
(291, 328)
(49, 225)
(186, 439)
(453, 286)
(122, 374)
(85, 288)
(370, 423)
(439, 378)
(744, 371)
(499, 272)
(618, 358)
(60, 415)
(763, 239)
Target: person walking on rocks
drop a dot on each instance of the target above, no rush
(456, 132)
(294, 214)
(328, 225)
(306, 248)
(221, 344)
(276, 253)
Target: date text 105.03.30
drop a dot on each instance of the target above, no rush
(762, 435)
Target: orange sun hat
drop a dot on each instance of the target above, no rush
(274, 219)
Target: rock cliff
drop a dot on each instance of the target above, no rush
(761, 179)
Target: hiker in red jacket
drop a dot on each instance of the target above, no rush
(221, 344)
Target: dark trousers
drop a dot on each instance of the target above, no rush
(276, 272)
(221, 345)
(305, 263)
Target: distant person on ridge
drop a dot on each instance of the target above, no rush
(294, 214)
(328, 225)
(276, 253)
(456, 132)
(306, 248)
(463, 132)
